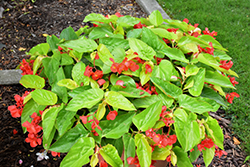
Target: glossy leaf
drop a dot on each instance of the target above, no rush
(211, 94)
(68, 34)
(129, 147)
(37, 63)
(79, 153)
(32, 81)
(182, 157)
(208, 155)
(44, 97)
(66, 59)
(194, 154)
(143, 151)
(130, 92)
(191, 70)
(68, 83)
(148, 117)
(75, 92)
(156, 18)
(161, 153)
(194, 105)
(166, 87)
(175, 54)
(112, 43)
(100, 32)
(101, 111)
(197, 87)
(86, 99)
(40, 49)
(134, 33)
(51, 66)
(68, 139)
(105, 54)
(127, 21)
(117, 100)
(147, 101)
(144, 51)
(94, 160)
(116, 128)
(164, 33)
(163, 70)
(128, 81)
(94, 17)
(52, 41)
(78, 74)
(216, 44)
(81, 45)
(110, 155)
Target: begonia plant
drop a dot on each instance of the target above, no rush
(126, 91)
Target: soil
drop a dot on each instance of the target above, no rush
(25, 24)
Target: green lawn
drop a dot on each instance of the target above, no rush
(231, 19)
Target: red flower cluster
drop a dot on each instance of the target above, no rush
(125, 65)
(232, 80)
(148, 69)
(161, 140)
(172, 30)
(26, 67)
(111, 115)
(139, 25)
(147, 87)
(167, 120)
(16, 110)
(207, 50)
(219, 152)
(206, 143)
(226, 65)
(95, 123)
(166, 40)
(33, 128)
(98, 74)
(54, 154)
(103, 164)
(118, 14)
(135, 161)
(230, 96)
(207, 32)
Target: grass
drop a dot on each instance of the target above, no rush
(231, 19)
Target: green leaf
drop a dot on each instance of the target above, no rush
(81, 45)
(156, 18)
(182, 157)
(167, 87)
(44, 97)
(117, 143)
(148, 117)
(105, 54)
(49, 118)
(185, 40)
(79, 153)
(134, 33)
(247, 158)
(161, 153)
(130, 91)
(211, 94)
(94, 160)
(216, 44)
(144, 51)
(193, 104)
(208, 155)
(86, 99)
(194, 154)
(197, 87)
(66, 59)
(216, 78)
(147, 101)
(68, 83)
(100, 32)
(110, 155)
(187, 130)
(32, 81)
(112, 43)
(164, 70)
(128, 81)
(143, 150)
(47, 141)
(101, 111)
(129, 147)
(94, 17)
(65, 142)
(221, 55)
(174, 54)
(115, 129)
(127, 21)
(161, 32)
(78, 90)
(191, 70)
(119, 54)
(51, 66)
(68, 34)
(37, 63)
(117, 100)
(52, 41)
(78, 74)
(216, 132)
(213, 103)
(29, 108)
(40, 49)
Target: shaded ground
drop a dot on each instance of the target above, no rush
(22, 27)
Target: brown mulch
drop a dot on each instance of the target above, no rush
(23, 26)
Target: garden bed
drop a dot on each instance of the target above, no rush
(26, 24)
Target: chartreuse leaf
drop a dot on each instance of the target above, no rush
(86, 99)
(213, 103)
(182, 157)
(110, 155)
(166, 87)
(37, 63)
(104, 54)
(144, 51)
(77, 74)
(197, 87)
(44, 97)
(174, 54)
(68, 139)
(216, 44)
(68, 83)
(112, 43)
(164, 70)
(40, 49)
(29, 108)
(161, 32)
(221, 54)
(216, 78)
(193, 104)
(79, 153)
(143, 151)
(129, 147)
(185, 40)
(191, 70)
(117, 100)
(215, 131)
(49, 119)
(187, 129)
(208, 155)
(101, 110)
(145, 77)
(161, 153)
(80, 45)
(32, 81)
(148, 117)
(156, 18)
(211, 94)
(95, 17)
(117, 143)
(115, 129)
(94, 160)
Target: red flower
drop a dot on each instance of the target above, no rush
(168, 159)
(14, 111)
(139, 25)
(230, 96)
(118, 14)
(148, 69)
(111, 115)
(95, 25)
(219, 153)
(206, 143)
(101, 82)
(84, 119)
(26, 67)
(226, 65)
(54, 154)
(186, 20)
(173, 30)
(207, 32)
(97, 56)
(88, 71)
(33, 139)
(98, 74)
(15, 131)
(114, 67)
(121, 83)
(232, 80)
(32, 127)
